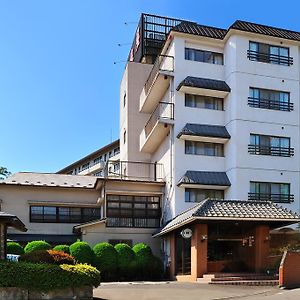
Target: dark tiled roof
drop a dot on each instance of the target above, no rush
(233, 210)
(266, 30)
(204, 83)
(201, 30)
(204, 130)
(205, 178)
(219, 33)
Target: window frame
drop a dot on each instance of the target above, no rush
(195, 146)
(192, 54)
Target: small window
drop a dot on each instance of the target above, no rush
(124, 99)
(198, 195)
(207, 102)
(202, 148)
(204, 56)
(124, 136)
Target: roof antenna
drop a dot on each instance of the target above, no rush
(128, 23)
(123, 44)
(119, 62)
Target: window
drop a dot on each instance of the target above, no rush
(124, 99)
(204, 56)
(63, 214)
(270, 99)
(203, 102)
(269, 191)
(270, 145)
(110, 154)
(269, 54)
(133, 211)
(99, 174)
(105, 157)
(124, 136)
(201, 148)
(116, 168)
(182, 255)
(98, 160)
(85, 166)
(116, 151)
(198, 195)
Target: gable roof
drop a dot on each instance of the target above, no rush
(233, 210)
(12, 221)
(220, 33)
(50, 180)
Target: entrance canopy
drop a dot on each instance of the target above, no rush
(265, 212)
(12, 221)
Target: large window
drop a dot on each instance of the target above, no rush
(270, 99)
(269, 191)
(201, 148)
(63, 214)
(269, 54)
(204, 56)
(198, 195)
(203, 102)
(133, 211)
(270, 145)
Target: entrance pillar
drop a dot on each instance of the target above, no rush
(199, 251)
(262, 246)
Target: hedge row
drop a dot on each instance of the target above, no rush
(115, 263)
(47, 277)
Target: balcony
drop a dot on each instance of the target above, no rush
(157, 83)
(92, 168)
(270, 150)
(270, 104)
(157, 127)
(269, 58)
(134, 170)
(276, 198)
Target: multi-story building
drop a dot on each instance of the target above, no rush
(219, 110)
(94, 163)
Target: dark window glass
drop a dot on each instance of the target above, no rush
(204, 56)
(207, 102)
(198, 195)
(202, 148)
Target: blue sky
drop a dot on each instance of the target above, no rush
(59, 88)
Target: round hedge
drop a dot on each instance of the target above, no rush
(48, 257)
(82, 252)
(14, 248)
(106, 260)
(126, 259)
(62, 248)
(142, 250)
(37, 245)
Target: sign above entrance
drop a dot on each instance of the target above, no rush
(186, 233)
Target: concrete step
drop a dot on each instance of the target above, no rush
(241, 278)
(247, 282)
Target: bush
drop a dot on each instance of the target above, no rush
(142, 250)
(47, 277)
(14, 248)
(82, 252)
(126, 259)
(106, 260)
(36, 245)
(48, 257)
(62, 248)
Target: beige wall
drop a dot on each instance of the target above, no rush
(99, 233)
(15, 200)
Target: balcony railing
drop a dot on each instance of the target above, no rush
(164, 110)
(270, 150)
(276, 198)
(269, 58)
(162, 63)
(270, 104)
(134, 170)
(133, 222)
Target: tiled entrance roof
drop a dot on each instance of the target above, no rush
(232, 210)
(215, 131)
(12, 221)
(205, 178)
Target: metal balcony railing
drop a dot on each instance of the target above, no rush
(270, 150)
(134, 170)
(162, 63)
(269, 58)
(276, 198)
(164, 110)
(270, 104)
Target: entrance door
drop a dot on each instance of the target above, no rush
(183, 255)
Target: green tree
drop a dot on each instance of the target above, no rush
(4, 172)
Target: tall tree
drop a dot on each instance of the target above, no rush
(4, 172)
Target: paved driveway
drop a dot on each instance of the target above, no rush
(189, 291)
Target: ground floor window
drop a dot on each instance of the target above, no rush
(133, 211)
(183, 255)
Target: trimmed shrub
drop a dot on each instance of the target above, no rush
(106, 260)
(82, 252)
(62, 248)
(126, 259)
(37, 245)
(142, 250)
(47, 277)
(48, 257)
(14, 248)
